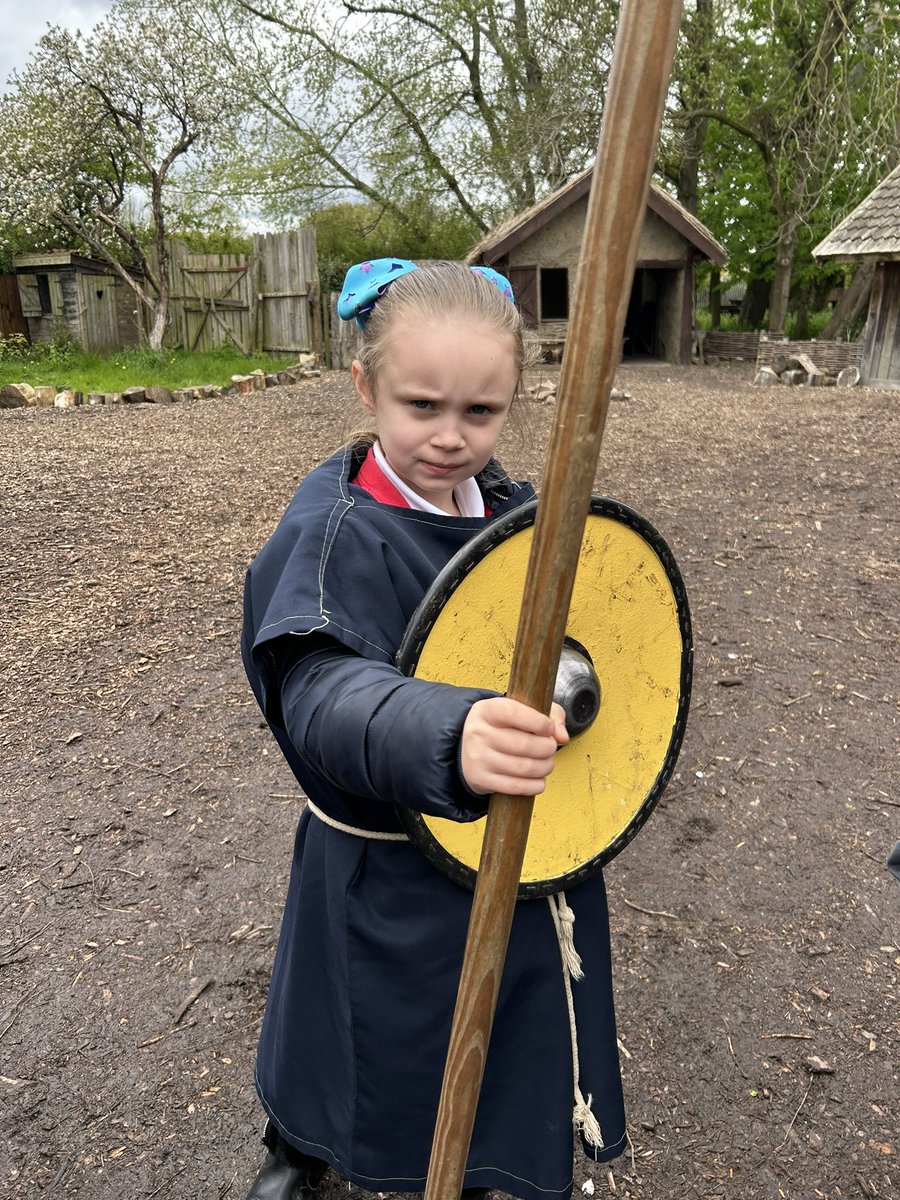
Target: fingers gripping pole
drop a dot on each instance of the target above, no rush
(642, 62)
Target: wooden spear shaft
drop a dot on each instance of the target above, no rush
(642, 63)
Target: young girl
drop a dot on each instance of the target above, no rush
(357, 1024)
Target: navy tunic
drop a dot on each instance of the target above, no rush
(357, 1023)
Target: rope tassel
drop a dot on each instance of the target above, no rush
(564, 922)
(570, 956)
(585, 1122)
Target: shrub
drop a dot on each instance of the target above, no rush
(57, 351)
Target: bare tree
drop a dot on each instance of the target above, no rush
(92, 118)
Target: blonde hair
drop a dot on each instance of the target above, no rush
(436, 291)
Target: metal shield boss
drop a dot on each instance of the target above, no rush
(624, 680)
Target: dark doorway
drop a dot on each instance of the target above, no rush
(641, 337)
(554, 294)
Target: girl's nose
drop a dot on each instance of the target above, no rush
(448, 434)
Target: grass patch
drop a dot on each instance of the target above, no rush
(61, 364)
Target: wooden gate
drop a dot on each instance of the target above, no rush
(264, 301)
(211, 300)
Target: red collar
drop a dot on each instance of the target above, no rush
(373, 480)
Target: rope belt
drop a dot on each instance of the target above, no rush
(583, 1117)
(374, 834)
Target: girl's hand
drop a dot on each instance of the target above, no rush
(508, 747)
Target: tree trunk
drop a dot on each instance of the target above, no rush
(852, 302)
(781, 283)
(801, 323)
(755, 302)
(158, 328)
(164, 266)
(715, 298)
(689, 166)
(698, 32)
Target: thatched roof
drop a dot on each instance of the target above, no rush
(520, 227)
(872, 230)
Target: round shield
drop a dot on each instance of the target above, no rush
(629, 619)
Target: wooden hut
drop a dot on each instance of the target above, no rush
(539, 249)
(62, 291)
(872, 233)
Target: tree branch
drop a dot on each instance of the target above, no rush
(412, 121)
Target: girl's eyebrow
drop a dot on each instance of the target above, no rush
(420, 393)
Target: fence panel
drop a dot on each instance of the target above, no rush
(288, 319)
(828, 356)
(345, 337)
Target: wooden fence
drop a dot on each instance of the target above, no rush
(343, 337)
(719, 343)
(828, 356)
(752, 346)
(264, 301)
(12, 319)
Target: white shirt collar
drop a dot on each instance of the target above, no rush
(467, 494)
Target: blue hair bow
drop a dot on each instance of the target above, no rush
(367, 281)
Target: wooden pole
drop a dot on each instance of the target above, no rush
(642, 63)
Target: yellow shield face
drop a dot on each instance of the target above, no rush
(629, 612)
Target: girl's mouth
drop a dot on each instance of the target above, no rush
(440, 468)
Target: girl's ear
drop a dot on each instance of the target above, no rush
(361, 384)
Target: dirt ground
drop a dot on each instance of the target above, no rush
(147, 818)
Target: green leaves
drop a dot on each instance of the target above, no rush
(798, 103)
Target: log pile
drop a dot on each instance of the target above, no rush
(799, 370)
(544, 392)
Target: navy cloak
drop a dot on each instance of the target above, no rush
(358, 1017)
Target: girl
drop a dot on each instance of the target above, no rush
(358, 1018)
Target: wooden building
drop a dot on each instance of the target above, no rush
(539, 250)
(62, 291)
(872, 233)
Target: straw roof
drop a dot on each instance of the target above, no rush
(872, 230)
(521, 226)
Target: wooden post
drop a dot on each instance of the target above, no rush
(645, 47)
(256, 300)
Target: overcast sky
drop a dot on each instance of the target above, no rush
(22, 22)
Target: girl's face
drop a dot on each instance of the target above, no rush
(443, 393)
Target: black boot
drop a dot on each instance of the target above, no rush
(286, 1173)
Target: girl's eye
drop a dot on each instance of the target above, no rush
(480, 410)
(422, 405)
